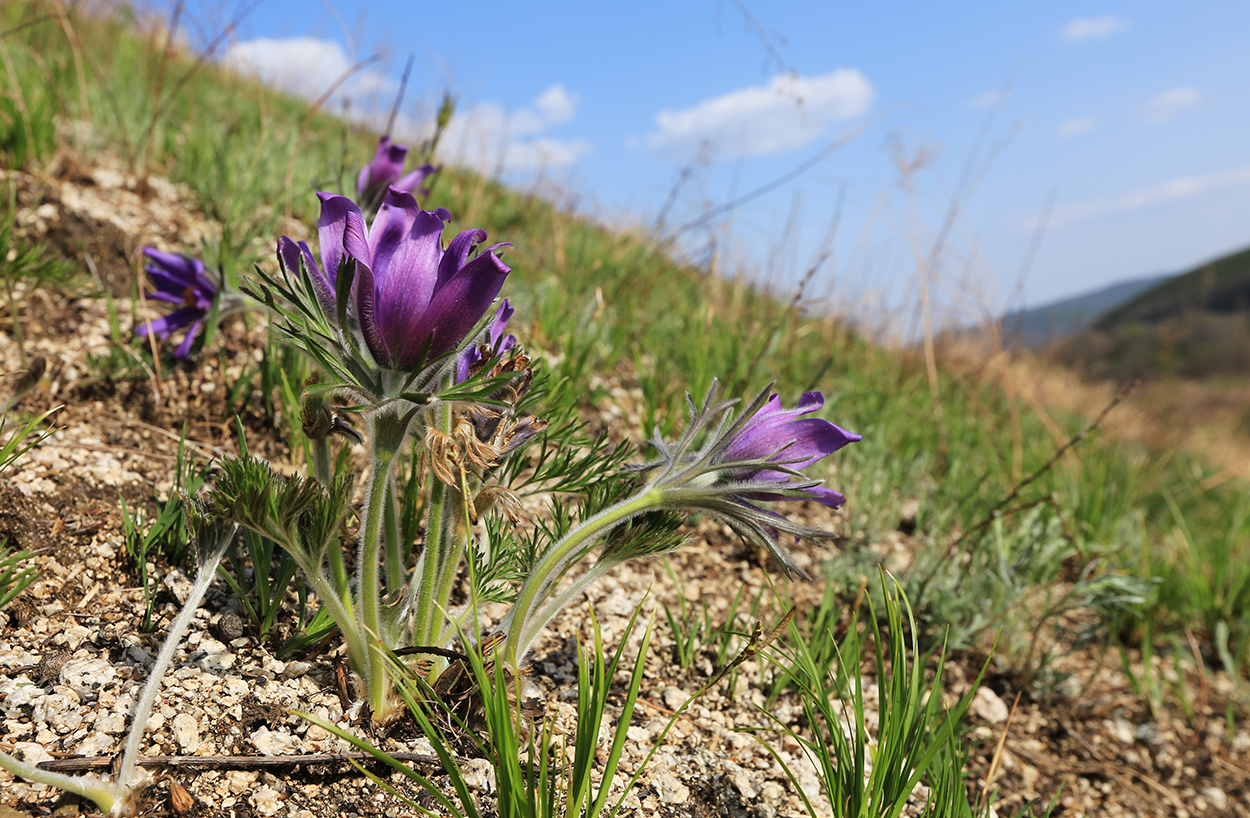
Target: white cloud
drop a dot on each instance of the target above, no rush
(489, 137)
(1168, 104)
(788, 113)
(308, 67)
(556, 104)
(1092, 28)
(1182, 187)
(485, 136)
(1075, 127)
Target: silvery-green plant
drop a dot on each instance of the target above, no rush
(410, 335)
(117, 795)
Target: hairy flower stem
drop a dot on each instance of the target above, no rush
(395, 557)
(203, 578)
(440, 526)
(386, 435)
(522, 625)
(321, 460)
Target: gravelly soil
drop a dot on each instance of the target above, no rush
(73, 653)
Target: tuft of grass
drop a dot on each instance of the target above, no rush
(14, 578)
(167, 535)
(917, 737)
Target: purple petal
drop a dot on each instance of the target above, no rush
(340, 230)
(411, 181)
(826, 497)
(186, 270)
(500, 323)
(457, 307)
(405, 264)
(166, 324)
(495, 339)
(387, 164)
(184, 349)
(796, 443)
(457, 254)
(366, 312)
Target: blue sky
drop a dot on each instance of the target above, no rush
(1120, 128)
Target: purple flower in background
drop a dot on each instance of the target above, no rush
(414, 300)
(496, 344)
(385, 172)
(178, 280)
(781, 436)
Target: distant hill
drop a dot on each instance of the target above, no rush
(1036, 327)
(1194, 325)
(1219, 286)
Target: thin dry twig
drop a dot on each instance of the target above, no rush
(1075, 440)
(232, 762)
(998, 752)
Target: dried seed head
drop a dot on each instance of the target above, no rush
(180, 801)
(496, 496)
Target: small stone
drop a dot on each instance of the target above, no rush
(110, 723)
(270, 743)
(669, 789)
(229, 627)
(178, 584)
(50, 665)
(1122, 731)
(987, 706)
(186, 733)
(674, 697)
(479, 774)
(85, 675)
(96, 744)
(241, 781)
(1216, 797)
(742, 781)
(267, 801)
(31, 752)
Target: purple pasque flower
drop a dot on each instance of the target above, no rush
(183, 281)
(414, 300)
(387, 170)
(783, 436)
(496, 344)
(757, 457)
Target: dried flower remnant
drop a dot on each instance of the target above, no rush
(496, 344)
(386, 171)
(178, 280)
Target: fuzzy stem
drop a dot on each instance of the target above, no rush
(109, 796)
(451, 549)
(395, 562)
(386, 435)
(557, 560)
(425, 579)
(143, 709)
(321, 460)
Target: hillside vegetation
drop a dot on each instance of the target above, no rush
(1194, 325)
(1017, 529)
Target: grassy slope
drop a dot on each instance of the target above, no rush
(594, 301)
(1220, 285)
